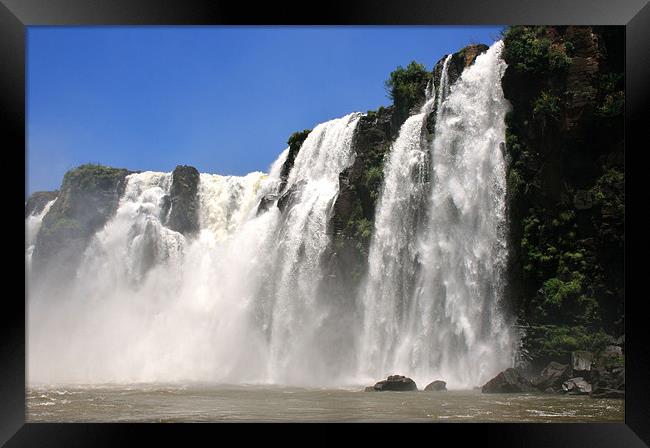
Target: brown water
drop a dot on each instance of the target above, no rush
(210, 403)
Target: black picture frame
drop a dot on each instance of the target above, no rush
(16, 15)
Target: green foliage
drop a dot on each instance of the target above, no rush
(297, 138)
(612, 106)
(91, 177)
(374, 178)
(558, 58)
(609, 196)
(556, 342)
(406, 86)
(529, 50)
(546, 105)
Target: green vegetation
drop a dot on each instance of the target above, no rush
(546, 105)
(556, 342)
(566, 187)
(406, 88)
(91, 177)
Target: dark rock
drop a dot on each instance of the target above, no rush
(359, 190)
(583, 200)
(88, 198)
(295, 142)
(552, 377)
(581, 363)
(397, 383)
(266, 202)
(436, 386)
(38, 200)
(508, 381)
(288, 198)
(608, 373)
(576, 386)
(183, 202)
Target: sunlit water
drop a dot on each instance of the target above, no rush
(246, 403)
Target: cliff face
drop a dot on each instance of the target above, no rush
(88, 197)
(180, 209)
(37, 202)
(565, 185)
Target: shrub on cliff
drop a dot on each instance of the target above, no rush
(406, 87)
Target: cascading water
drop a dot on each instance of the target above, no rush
(431, 298)
(238, 303)
(244, 300)
(393, 261)
(32, 226)
(296, 316)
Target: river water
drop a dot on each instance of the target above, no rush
(252, 403)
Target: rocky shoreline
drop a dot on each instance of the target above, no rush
(599, 375)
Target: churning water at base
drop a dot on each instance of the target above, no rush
(436, 263)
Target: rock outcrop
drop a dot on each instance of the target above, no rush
(576, 386)
(608, 374)
(552, 377)
(37, 202)
(180, 210)
(509, 381)
(565, 186)
(581, 361)
(396, 383)
(436, 386)
(88, 197)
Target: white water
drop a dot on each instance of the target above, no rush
(434, 281)
(244, 301)
(238, 303)
(32, 226)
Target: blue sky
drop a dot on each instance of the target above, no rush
(222, 99)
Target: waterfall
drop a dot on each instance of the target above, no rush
(239, 302)
(431, 300)
(244, 300)
(393, 260)
(295, 316)
(32, 226)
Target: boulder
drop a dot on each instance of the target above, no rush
(436, 386)
(581, 363)
(552, 376)
(396, 383)
(508, 381)
(608, 374)
(576, 386)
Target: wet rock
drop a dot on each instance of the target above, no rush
(266, 202)
(608, 374)
(552, 376)
(183, 202)
(88, 198)
(581, 363)
(397, 383)
(576, 386)
(37, 202)
(509, 381)
(436, 386)
(287, 200)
